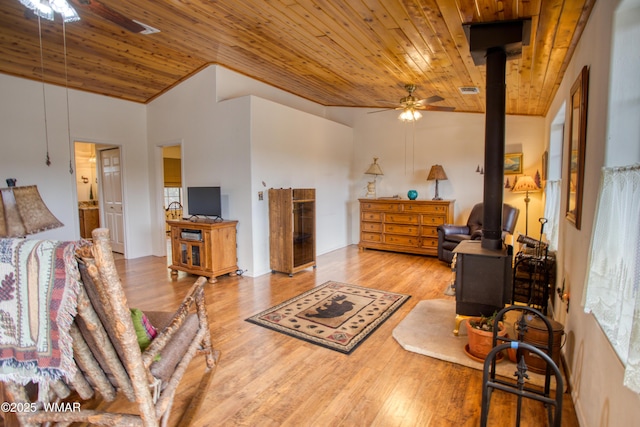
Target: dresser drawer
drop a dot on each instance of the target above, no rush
(426, 208)
(428, 242)
(371, 237)
(371, 216)
(371, 226)
(410, 230)
(429, 232)
(433, 219)
(394, 239)
(380, 206)
(401, 218)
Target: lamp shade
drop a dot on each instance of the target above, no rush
(523, 184)
(437, 173)
(374, 169)
(22, 212)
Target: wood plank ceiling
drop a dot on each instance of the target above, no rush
(355, 53)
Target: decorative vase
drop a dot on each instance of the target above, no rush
(412, 194)
(480, 341)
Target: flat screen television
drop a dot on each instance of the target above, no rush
(204, 201)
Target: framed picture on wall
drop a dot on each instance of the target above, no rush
(577, 146)
(513, 163)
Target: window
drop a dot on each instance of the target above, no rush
(613, 275)
(172, 194)
(552, 175)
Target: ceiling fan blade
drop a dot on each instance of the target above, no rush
(109, 14)
(434, 98)
(436, 108)
(380, 111)
(430, 100)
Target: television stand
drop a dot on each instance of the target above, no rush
(204, 220)
(203, 248)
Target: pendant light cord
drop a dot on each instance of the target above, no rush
(405, 148)
(66, 85)
(44, 95)
(413, 149)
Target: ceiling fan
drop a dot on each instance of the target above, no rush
(98, 8)
(410, 105)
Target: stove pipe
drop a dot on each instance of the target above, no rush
(494, 148)
(492, 43)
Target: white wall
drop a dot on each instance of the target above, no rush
(231, 85)
(456, 141)
(293, 149)
(93, 118)
(183, 115)
(240, 142)
(596, 372)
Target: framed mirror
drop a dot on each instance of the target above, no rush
(577, 145)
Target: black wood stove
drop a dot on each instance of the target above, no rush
(483, 269)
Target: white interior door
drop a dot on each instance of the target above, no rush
(112, 197)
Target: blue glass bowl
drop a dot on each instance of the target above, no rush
(412, 194)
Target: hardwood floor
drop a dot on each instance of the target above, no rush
(265, 378)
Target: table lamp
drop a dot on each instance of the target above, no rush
(374, 170)
(437, 173)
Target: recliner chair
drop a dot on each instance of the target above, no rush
(450, 235)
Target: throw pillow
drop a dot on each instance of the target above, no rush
(145, 331)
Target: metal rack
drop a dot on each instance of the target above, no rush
(532, 272)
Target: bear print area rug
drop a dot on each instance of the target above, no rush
(334, 315)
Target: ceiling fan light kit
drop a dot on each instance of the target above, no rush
(410, 105)
(410, 115)
(46, 8)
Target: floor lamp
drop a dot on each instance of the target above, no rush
(525, 184)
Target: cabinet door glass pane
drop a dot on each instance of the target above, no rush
(184, 253)
(303, 227)
(195, 255)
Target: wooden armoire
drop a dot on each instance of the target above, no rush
(292, 229)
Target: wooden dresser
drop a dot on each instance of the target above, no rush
(403, 225)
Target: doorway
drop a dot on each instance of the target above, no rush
(112, 196)
(172, 201)
(99, 191)
(87, 188)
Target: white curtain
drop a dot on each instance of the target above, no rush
(552, 212)
(613, 276)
